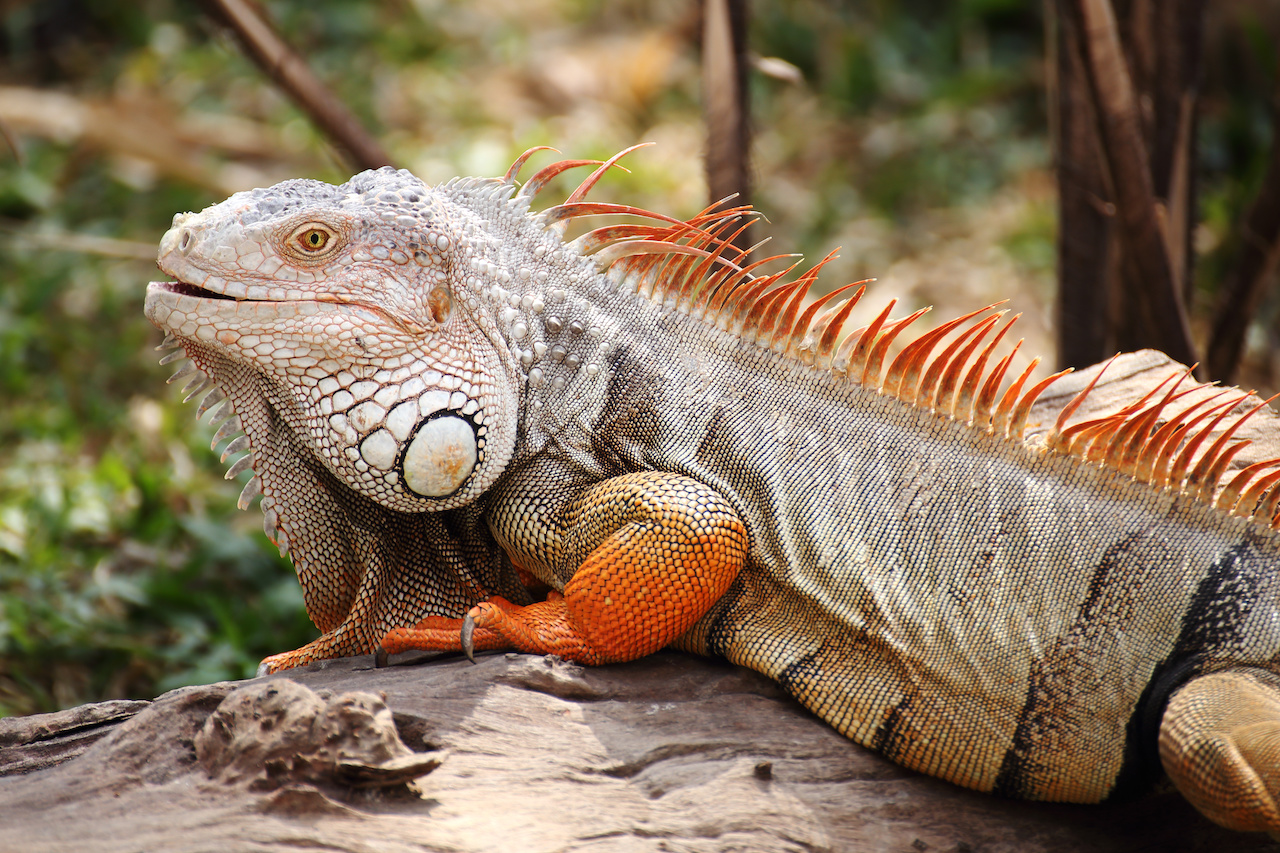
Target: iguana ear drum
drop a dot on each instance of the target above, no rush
(440, 457)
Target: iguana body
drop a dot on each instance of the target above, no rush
(444, 402)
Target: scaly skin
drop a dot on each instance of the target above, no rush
(443, 400)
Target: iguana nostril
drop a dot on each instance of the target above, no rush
(185, 244)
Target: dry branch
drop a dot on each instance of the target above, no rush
(1255, 266)
(725, 104)
(292, 74)
(667, 753)
(1143, 229)
(1086, 236)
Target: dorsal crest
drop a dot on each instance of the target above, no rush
(695, 267)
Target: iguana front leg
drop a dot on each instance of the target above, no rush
(1220, 743)
(654, 552)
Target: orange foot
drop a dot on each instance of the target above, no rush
(543, 628)
(342, 641)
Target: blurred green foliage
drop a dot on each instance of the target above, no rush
(115, 578)
(125, 568)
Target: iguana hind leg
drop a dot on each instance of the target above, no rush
(657, 550)
(1220, 743)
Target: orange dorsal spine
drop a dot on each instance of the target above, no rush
(695, 267)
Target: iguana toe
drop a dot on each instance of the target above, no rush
(1220, 744)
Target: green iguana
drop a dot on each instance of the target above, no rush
(447, 406)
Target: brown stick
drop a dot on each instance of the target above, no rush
(1256, 264)
(1086, 236)
(270, 52)
(1140, 218)
(724, 83)
(1177, 30)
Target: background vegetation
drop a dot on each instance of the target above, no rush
(911, 133)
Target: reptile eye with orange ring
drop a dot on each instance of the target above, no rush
(312, 241)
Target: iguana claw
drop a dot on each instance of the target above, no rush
(468, 635)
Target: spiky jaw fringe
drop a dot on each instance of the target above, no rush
(229, 429)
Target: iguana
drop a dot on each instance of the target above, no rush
(473, 433)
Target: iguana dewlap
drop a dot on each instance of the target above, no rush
(445, 405)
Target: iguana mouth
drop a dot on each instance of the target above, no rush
(182, 288)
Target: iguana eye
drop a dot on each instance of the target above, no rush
(312, 240)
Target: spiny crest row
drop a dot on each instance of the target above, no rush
(694, 267)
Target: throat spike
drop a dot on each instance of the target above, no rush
(182, 372)
(213, 398)
(237, 445)
(244, 463)
(251, 491)
(228, 428)
(197, 386)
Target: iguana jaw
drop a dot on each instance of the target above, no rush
(241, 300)
(190, 311)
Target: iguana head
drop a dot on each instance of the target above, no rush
(380, 343)
(351, 308)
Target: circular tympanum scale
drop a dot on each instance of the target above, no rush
(441, 456)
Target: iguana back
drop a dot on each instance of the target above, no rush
(446, 405)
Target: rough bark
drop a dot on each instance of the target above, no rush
(668, 753)
(1124, 115)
